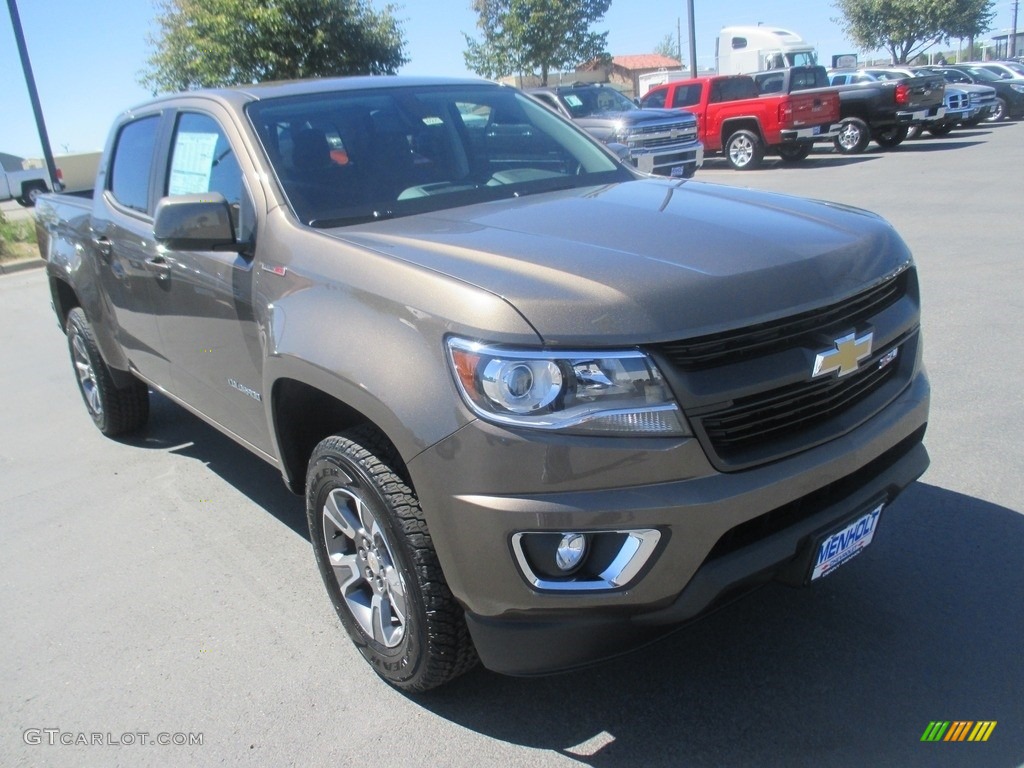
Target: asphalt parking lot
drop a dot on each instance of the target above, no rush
(165, 585)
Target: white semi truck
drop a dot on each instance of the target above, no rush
(746, 49)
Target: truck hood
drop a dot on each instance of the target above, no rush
(647, 260)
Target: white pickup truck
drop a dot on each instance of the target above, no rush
(26, 186)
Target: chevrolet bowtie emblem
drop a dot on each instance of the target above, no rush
(845, 357)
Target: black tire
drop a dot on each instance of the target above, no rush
(997, 112)
(915, 131)
(941, 130)
(114, 410)
(795, 152)
(891, 137)
(373, 549)
(744, 150)
(853, 137)
(30, 194)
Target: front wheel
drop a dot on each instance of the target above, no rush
(378, 563)
(794, 153)
(114, 410)
(744, 150)
(941, 130)
(853, 136)
(997, 113)
(892, 136)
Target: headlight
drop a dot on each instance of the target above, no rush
(1018, 88)
(606, 392)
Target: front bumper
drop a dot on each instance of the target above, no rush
(721, 533)
(663, 161)
(921, 116)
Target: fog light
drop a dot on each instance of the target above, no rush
(571, 550)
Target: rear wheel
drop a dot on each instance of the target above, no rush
(853, 136)
(378, 563)
(30, 194)
(114, 410)
(794, 153)
(892, 136)
(744, 150)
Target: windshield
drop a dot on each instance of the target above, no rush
(584, 102)
(980, 73)
(802, 59)
(354, 156)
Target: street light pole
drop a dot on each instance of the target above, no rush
(693, 40)
(33, 95)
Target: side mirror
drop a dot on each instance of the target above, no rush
(195, 223)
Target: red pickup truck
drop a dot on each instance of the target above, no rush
(734, 119)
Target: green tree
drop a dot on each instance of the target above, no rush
(209, 43)
(668, 46)
(905, 28)
(527, 35)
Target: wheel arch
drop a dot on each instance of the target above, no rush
(302, 415)
(729, 127)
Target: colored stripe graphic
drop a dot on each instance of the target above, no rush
(982, 730)
(958, 730)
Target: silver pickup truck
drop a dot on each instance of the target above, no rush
(543, 408)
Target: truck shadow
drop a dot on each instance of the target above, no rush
(926, 626)
(934, 144)
(175, 430)
(819, 158)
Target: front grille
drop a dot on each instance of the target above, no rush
(733, 346)
(775, 415)
(957, 101)
(750, 395)
(662, 141)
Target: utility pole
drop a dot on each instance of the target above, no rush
(693, 40)
(1013, 32)
(679, 39)
(33, 95)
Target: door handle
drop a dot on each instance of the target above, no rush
(160, 266)
(103, 246)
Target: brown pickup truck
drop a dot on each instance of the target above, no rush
(543, 408)
(734, 119)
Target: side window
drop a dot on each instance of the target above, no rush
(202, 160)
(688, 96)
(133, 159)
(654, 100)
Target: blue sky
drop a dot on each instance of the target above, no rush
(86, 56)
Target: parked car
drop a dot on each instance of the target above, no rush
(542, 408)
(1009, 103)
(884, 109)
(966, 103)
(658, 141)
(1007, 70)
(26, 185)
(735, 120)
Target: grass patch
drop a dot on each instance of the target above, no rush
(17, 239)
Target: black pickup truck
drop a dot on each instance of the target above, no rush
(880, 110)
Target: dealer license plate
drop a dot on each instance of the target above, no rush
(844, 545)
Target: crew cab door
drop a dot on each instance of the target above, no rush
(207, 324)
(126, 255)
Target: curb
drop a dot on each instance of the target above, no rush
(21, 266)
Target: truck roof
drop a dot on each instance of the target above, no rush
(243, 94)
